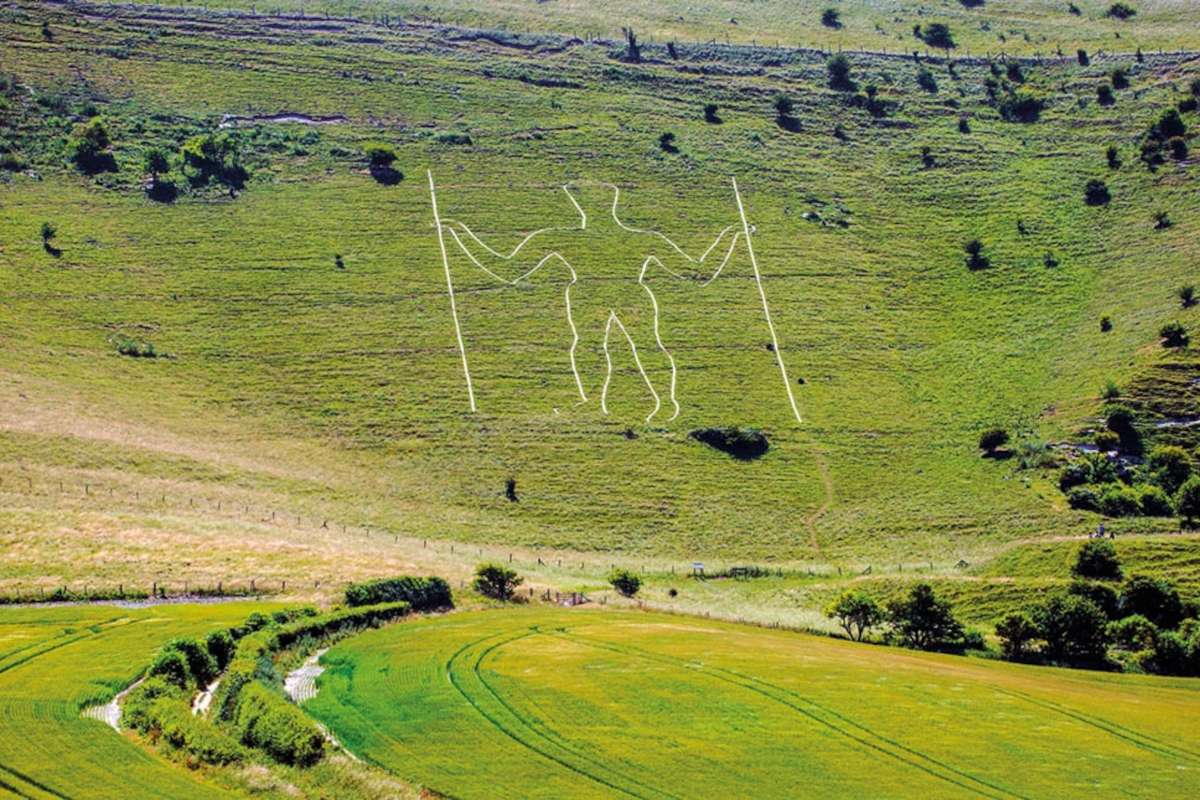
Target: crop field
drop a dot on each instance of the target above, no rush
(601, 705)
(53, 662)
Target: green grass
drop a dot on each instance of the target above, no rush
(53, 662)
(537, 703)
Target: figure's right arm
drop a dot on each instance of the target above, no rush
(510, 267)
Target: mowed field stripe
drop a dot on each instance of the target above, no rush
(541, 729)
(21, 776)
(457, 682)
(1136, 738)
(876, 742)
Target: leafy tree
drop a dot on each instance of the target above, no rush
(830, 18)
(380, 154)
(1118, 500)
(783, 106)
(1074, 629)
(839, 73)
(1121, 11)
(937, 34)
(156, 163)
(1017, 632)
(924, 621)
(1104, 596)
(88, 146)
(1172, 655)
(214, 156)
(1187, 499)
(926, 81)
(1133, 633)
(993, 439)
(1173, 334)
(1154, 598)
(221, 647)
(172, 666)
(496, 581)
(1119, 77)
(1154, 502)
(625, 582)
(1097, 559)
(856, 612)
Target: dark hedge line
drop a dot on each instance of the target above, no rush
(423, 594)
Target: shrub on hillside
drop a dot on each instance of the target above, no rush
(710, 113)
(1119, 500)
(1120, 419)
(839, 73)
(925, 621)
(1096, 193)
(1173, 334)
(1106, 441)
(88, 147)
(201, 666)
(194, 735)
(856, 612)
(423, 594)
(1169, 466)
(1173, 655)
(214, 157)
(136, 708)
(1119, 77)
(992, 439)
(1097, 559)
(1186, 295)
(266, 720)
(1154, 502)
(1121, 11)
(625, 582)
(936, 34)
(496, 581)
(1083, 498)
(830, 18)
(975, 257)
(1081, 56)
(1104, 95)
(926, 80)
(1021, 105)
(744, 444)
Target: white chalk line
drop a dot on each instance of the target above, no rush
(450, 288)
(449, 223)
(762, 293)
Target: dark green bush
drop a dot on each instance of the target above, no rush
(1097, 559)
(839, 73)
(201, 666)
(1154, 502)
(268, 721)
(1156, 599)
(1017, 632)
(1119, 500)
(625, 582)
(171, 666)
(1169, 466)
(937, 34)
(1173, 334)
(1083, 499)
(1104, 596)
(496, 581)
(925, 621)
(1187, 499)
(1121, 11)
(992, 439)
(744, 444)
(195, 735)
(423, 594)
(1074, 628)
(1021, 105)
(220, 646)
(1132, 633)
(1095, 193)
(136, 708)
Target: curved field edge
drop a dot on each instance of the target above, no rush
(538, 703)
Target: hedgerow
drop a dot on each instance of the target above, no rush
(423, 594)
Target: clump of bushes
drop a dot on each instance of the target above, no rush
(1173, 334)
(422, 594)
(1097, 559)
(1121, 11)
(839, 74)
(1021, 104)
(496, 581)
(936, 34)
(992, 439)
(744, 444)
(1095, 193)
(135, 348)
(976, 260)
(830, 18)
(267, 720)
(214, 157)
(625, 582)
(380, 159)
(88, 147)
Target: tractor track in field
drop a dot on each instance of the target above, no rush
(86, 634)
(502, 728)
(932, 767)
(1136, 738)
(540, 728)
(812, 519)
(21, 776)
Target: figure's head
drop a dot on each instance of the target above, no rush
(594, 198)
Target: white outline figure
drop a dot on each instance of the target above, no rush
(453, 226)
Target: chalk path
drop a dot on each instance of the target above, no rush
(453, 226)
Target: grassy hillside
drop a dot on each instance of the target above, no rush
(597, 704)
(1017, 27)
(294, 397)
